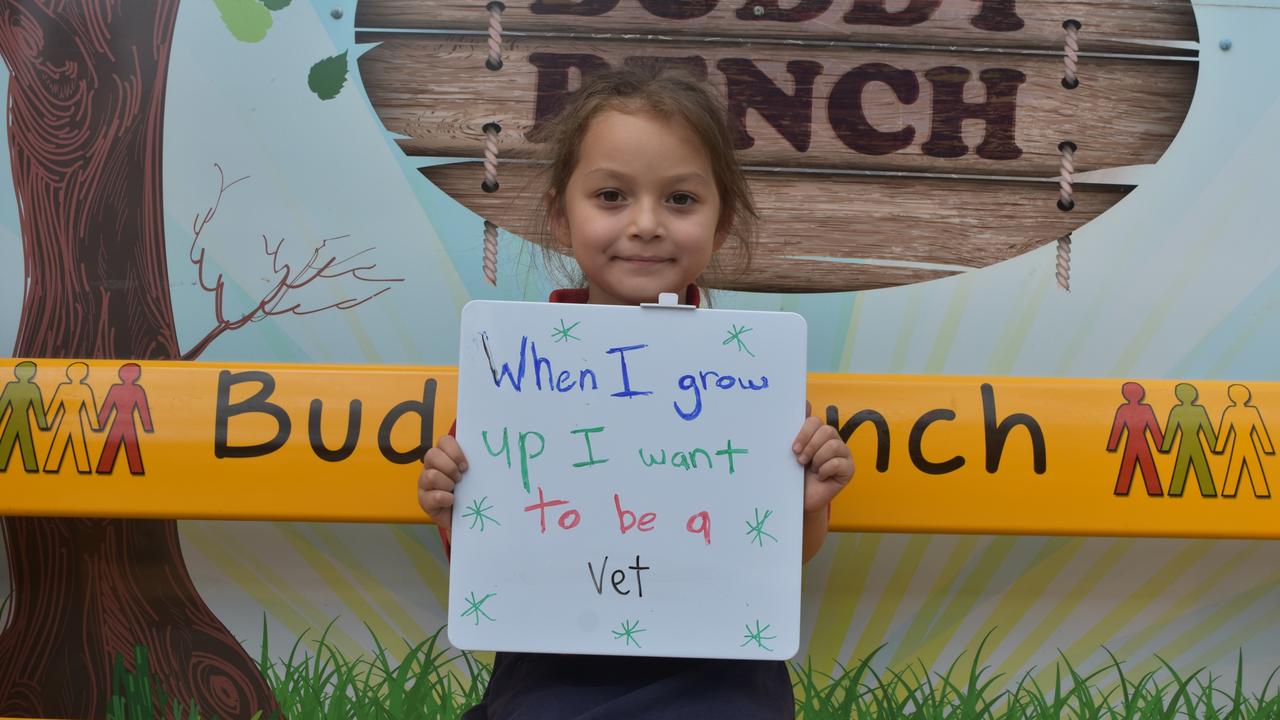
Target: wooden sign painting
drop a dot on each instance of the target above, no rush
(1110, 25)
(966, 103)
(861, 108)
(860, 220)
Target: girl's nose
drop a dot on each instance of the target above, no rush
(646, 220)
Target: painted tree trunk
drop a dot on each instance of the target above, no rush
(86, 119)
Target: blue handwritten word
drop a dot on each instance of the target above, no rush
(626, 390)
(699, 383)
(559, 382)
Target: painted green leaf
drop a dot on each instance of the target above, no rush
(328, 76)
(276, 5)
(247, 20)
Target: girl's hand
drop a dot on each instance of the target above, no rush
(828, 465)
(442, 469)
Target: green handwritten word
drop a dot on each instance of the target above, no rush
(475, 609)
(586, 435)
(756, 530)
(688, 460)
(522, 443)
(628, 632)
(758, 636)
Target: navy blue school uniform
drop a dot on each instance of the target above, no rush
(533, 686)
(528, 686)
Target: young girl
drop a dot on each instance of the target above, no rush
(643, 191)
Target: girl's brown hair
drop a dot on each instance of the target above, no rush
(669, 93)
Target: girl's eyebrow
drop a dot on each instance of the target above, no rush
(615, 174)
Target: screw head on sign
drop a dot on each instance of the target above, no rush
(1224, 44)
(336, 13)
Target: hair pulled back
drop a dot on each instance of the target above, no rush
(670, 93)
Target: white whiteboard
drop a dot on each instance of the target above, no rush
(709, 563)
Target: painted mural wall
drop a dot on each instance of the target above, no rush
(303, 182)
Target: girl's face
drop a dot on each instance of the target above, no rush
(641, 210)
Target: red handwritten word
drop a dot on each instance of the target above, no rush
(568, 519)
(627, 519)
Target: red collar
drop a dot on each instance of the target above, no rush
(579, 295)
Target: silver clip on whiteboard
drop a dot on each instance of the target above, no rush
(631, 486)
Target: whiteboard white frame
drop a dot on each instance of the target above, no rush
(738, 597)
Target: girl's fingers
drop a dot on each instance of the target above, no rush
(432, 479)
(449, 445)
(821, 436)
(830, 479)
(836, 472)
(438, 505)
(435, 502)
(832, 449)
(803, 439)
(439, 460)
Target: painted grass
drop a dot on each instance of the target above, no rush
(966, 693)
(429, 681)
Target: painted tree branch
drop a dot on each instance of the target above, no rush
(322, 264)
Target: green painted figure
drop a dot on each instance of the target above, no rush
(20, 401)
(1189, 421)
(1242, 428)
(71, 407)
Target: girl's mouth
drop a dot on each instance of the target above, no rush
(643, 259)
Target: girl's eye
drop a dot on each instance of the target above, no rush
(683, 199)
(610, 196)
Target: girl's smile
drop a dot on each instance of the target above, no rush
(641, 212)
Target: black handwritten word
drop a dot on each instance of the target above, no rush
(791, 115)
(991, 15)
(547, 378)
(422, 411)
(996, 435)
(618, 578)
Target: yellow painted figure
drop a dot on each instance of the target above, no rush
(72, 405)
(1242, 428)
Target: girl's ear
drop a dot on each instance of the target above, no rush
(555, 218)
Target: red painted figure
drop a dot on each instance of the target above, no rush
(124, 398)
(1137, 419)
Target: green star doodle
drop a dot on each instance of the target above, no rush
(758, 636)
(474, 607)
(735, 336)
(628, 632)
(478, 512)
(564, 334)
(756, 530)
